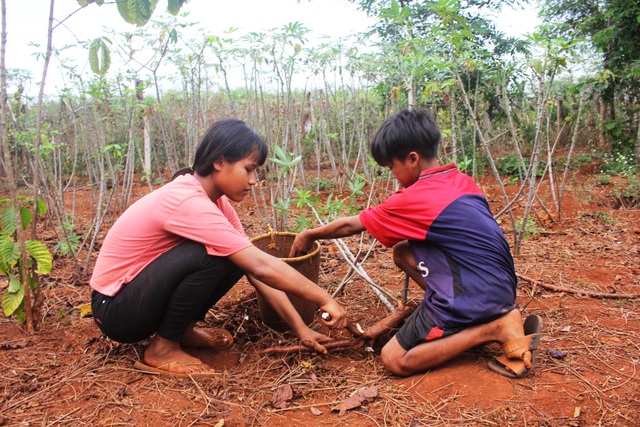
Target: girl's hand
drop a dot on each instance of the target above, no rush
(336, 317)
(312, 339)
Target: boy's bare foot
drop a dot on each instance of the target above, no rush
(508, 327)
(520, 350)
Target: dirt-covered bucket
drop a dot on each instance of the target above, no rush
(279, 244)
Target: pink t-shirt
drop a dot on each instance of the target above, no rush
(178, 211)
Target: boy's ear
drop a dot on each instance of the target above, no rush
(413, 157)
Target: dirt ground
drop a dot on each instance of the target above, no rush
(581, 275)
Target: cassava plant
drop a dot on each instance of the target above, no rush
(38, 258)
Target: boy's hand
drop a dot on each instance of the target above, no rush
(312, 339)
(336, 315)
(301, 245)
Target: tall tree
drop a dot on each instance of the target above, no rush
(612, 28)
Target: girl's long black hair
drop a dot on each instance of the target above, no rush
(228, 138)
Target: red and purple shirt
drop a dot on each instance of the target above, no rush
(458, 246)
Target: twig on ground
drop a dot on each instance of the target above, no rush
(576, 291)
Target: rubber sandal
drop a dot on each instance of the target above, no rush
(511, 364)
(167, 369)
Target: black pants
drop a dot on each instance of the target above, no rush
(177, 288)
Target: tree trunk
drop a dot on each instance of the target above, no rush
(602, 135)
(9, 177)
(636, 151)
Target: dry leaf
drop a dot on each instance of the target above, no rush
(281, 398)
(360, 396)
(86, 311)
(13, 345)
(315, 411)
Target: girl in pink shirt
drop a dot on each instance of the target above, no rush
(175, 252)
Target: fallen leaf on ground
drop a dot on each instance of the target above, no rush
(13, 346)
(281, 398)
(557, 354)
(315, 411)
(357, 398)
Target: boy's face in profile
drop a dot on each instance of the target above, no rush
(406, 171)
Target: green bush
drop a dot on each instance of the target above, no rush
(619, 164)
(603, 179)
(510, 165)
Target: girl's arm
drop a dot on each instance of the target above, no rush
(282, 305)
(277, 274)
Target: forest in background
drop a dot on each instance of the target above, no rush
(524, 111)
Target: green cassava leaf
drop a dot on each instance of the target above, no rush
(137, 12)
(99, 56)
(8, 219)
(42, 207)
(11, 301)
(123, 9)
(41, 254)
(174, 6)
(9, 253)
(14, 284)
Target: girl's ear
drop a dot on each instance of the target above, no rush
(217, 165)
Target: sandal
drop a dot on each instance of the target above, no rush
(512, 363)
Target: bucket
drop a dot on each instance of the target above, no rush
(278, 244)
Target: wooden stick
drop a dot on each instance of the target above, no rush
(333, 345)
(389, 322)
(577, 291)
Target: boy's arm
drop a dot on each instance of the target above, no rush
(342, 227)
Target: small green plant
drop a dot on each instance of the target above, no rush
(583, 159)
(529, 228)
(356, 185)
(284, 160)
(464, 164)
(38, 256)
(603, 179)
(630, 196)
(282, 206)
(322, 184)
(302, 201)
(63, 316)
(603, 217)
(510, 165)
(67, 245)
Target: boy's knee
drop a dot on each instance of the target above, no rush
(392, 359)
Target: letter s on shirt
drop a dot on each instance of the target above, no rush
(424, 271)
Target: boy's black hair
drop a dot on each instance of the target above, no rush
(404, 132)
(228, 138)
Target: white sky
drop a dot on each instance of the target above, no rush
(27, 23)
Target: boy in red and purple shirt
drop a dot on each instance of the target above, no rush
(446, 239)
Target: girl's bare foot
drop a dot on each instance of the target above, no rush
(167, 356)
(207, 338)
